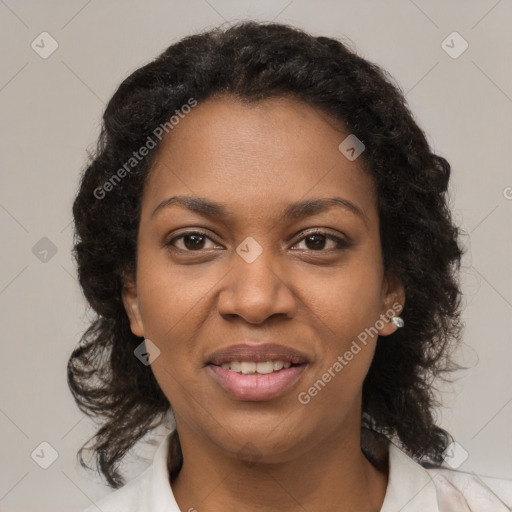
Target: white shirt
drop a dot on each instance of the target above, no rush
(411, 488)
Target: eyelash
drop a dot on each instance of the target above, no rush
(340, 243)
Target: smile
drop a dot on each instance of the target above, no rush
(262, 381)
(262, 368)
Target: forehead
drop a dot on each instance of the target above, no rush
(263, 153)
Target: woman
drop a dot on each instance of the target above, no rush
(264, 235)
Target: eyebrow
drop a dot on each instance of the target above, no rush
(293, 211)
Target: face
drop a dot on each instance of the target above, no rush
(239, 277)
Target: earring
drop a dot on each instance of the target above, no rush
(397, 321)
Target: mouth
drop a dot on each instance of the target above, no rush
(256, 372)
(260, 368)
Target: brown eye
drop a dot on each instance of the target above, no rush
(191, 242)
(318, 241)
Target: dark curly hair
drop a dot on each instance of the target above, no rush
(254, 61)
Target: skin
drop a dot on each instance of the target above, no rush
(256, 159)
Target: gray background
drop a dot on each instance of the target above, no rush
(51, 109)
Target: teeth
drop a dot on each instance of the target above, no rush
(263, 368)
(277, 365)
(266, 367)
(247, 367)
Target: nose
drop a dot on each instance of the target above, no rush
(256, 291)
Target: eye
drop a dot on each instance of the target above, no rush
(317, 241)
(192, 241)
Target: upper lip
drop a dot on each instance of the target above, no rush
(257, 353)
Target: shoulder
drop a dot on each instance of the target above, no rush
(125, 499)
(413, 487)
(457, 490)
(149, 491)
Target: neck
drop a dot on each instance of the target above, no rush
(333, 475)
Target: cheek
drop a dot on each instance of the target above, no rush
(348, 299)
(170, 297)
(349, 306)
(170, 303)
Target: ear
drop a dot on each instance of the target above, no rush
(131, 306)
(392, 304)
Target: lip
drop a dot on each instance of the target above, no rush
(257, 353)
(256, 387)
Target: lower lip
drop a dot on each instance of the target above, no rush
(256, 387)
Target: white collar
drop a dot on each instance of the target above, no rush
(161, 498)
(410, 487)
